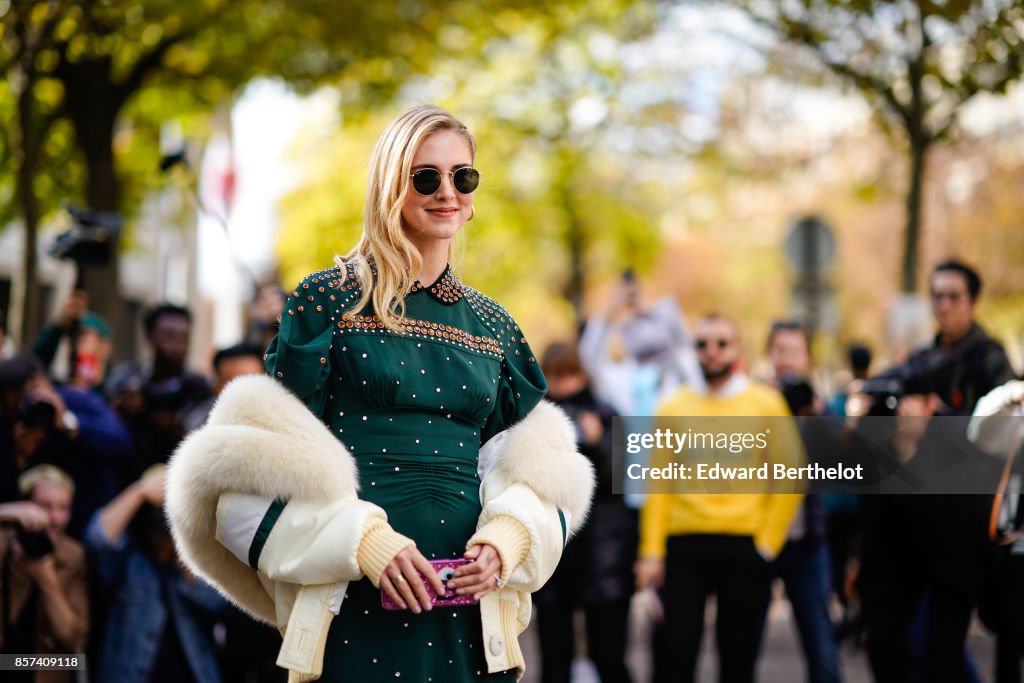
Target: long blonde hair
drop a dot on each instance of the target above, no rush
(383, 246)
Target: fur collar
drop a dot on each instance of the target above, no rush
(540, 452)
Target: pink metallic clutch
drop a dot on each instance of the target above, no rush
(446, 570)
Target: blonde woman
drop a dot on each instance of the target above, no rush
(436, 397)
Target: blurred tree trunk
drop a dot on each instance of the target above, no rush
(25, 42)
(28, 315)
(93, 103)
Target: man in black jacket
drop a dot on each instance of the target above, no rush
(934, 548)
(963, 361)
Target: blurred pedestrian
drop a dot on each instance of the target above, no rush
(596, 571)
(637, 352)
(44, 598)
(76, 430)
(228, 363)
(693, 545)
(964, 361)
(923, 556)
(153, 400)
(250, 648)
(159, 622)
(858, 358)
(804, 563)
(89, 343)
(31, 417)
(265, 312)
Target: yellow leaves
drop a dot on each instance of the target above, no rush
(151, 35)
(508, 21)
(50, 92)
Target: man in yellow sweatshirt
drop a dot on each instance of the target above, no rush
(693, 545)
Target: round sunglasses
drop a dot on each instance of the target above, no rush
(465, 180)
(705, 343)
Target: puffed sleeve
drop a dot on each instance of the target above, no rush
(521, 385)
(300, 355)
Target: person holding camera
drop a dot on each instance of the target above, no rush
(44, 597)
(89, 338)
(964, 362)
(923, 556)
(159, 616)
(72, 428)
(804, 565)
(637, 352)
(33, 422)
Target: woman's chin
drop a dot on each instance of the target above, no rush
(435, 231)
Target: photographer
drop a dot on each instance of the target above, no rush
(804, 563)
(71, 428)
(30, 419)
(44, 598)
(922, 555)
(963, 361)
(159, 621)
(89, 337)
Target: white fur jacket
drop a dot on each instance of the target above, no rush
(289, 564)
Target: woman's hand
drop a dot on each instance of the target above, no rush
(480, 577)
(402, 580)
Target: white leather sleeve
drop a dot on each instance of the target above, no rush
(309, 544)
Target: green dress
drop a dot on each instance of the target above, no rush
(413, 408)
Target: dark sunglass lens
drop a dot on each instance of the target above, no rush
(426, 180)
(466, 180)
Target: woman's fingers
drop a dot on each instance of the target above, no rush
(430, 574)
(389, 588)
(419, 598)
(403, 580)
(478, 578)
(478, 590)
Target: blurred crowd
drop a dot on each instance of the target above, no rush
(88, 564)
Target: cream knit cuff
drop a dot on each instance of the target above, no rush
(379, 546)
(509, 537)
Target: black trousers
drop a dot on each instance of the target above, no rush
(606, 631)
(892, 601)
(729, 567)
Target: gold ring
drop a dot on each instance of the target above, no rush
(398, 578)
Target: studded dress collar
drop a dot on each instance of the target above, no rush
(446, 289)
